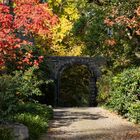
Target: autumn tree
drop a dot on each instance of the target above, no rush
(110, 29)
(21, 23)
(124, 20)
(64, 42)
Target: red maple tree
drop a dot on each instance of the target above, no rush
(26, 19)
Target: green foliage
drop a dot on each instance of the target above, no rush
(35, 123)
(5, 133)
(28, 83)
(36, 108)
(103, 85)
(91, 29)
(94, 34)
(134, 112)
(124, 93)
(35, 116)
(16, 88)
(123, 53)
(8, 99)
(75, 86)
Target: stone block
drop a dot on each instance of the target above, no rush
(20, 132)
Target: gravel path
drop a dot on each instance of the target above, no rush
(90, 124)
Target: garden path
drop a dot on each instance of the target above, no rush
(90, 124)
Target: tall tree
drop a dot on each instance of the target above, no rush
(110, 29)
(20, 24)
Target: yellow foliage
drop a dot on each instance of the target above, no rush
(75, 51)
(61, 30)
(63, 42)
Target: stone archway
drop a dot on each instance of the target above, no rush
(58, 64)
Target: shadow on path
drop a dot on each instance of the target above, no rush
(90, 124)
(66, 118)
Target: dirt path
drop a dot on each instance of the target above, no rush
(90, 124)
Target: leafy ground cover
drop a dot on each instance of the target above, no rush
(35, 116)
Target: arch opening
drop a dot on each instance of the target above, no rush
(74, 86)
(92, 89)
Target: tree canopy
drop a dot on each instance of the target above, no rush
(70, 28)
(21, 23)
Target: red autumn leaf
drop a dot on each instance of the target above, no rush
(30, 17)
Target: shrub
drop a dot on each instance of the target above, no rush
(16, 88)
(17, 104)
(35, 116)
(124, 93)
(134, 112)
(28, 84)
(104, 87)
(36, 108)
(35, 123)
(5, 133)
(8, 99)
